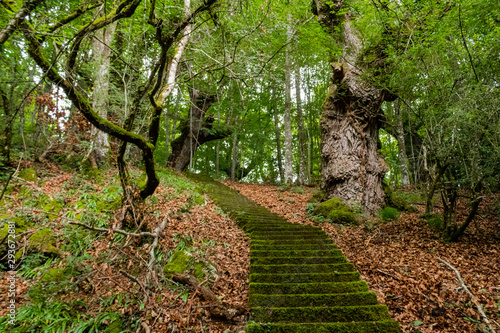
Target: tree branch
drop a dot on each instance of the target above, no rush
(474, 299)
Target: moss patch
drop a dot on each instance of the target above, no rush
(185, 262)
(28, 174)
(336, 211)
(43, 241)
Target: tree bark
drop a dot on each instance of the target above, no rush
(288, 108)
(301, 178)
(6, 146)
(102, 53)
(352, 170)
(403, 158)
(195, 131)
(277, 133)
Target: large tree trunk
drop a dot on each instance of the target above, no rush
(352, 170)
(100, 143)
(195, 131)
(287, 122)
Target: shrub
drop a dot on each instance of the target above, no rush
(435, 221)
(389, 213)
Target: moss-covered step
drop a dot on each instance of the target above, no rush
(320, 314)
(308, 288)
(312, 300)
(282, 236)
(295, 268)
(290, 241)
(294, 253)
(297, 260)
(288, 247)
(304, 277)
(385, 326)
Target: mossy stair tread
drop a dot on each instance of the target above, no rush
(300, 282)
(312, 300)
(385, 326)
(294, 253)
(320, 314)
(297, 260)
(293, 247)
(304, 277)
(292, 242)
(308, 288)
(302, 268)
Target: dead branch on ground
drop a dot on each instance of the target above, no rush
(219, 310)
(473, 298)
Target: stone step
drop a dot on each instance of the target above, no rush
(385, 326)
(289, 237)
(294, 253)
(304, 277)
(294, 268)
(288, 247)
(312, 300)
(297, 260)
(297, 242)
(285, 233)
(308, 288)
(320, 314)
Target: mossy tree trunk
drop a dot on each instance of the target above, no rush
(351, 169)
(195, 131)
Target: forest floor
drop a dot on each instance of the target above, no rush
(81, 285)
(399, 260)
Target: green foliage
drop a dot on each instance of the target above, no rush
(435, 221)
(389, 214)
(58, 317)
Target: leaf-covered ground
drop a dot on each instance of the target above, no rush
(399, 260)
(95, 295)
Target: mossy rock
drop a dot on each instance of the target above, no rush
(341, 216)
(4, 233)
(317, 196)
(336, 211)
(42, 242)
(184, 262)
(55, 281)
(28, 175)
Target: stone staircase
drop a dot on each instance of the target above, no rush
(299, 280)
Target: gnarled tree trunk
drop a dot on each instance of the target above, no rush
(352, 170)
(195, 131)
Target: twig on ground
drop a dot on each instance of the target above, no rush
(134, 279)
(119, 231)
(220, 310)
(145, 327)
(474, 299)
(152, 256)
(392, 276)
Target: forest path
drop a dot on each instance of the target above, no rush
(299, 280)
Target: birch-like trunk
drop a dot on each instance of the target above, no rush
(288, 108)
(403, 159)
(301, 179)
(102, 52)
